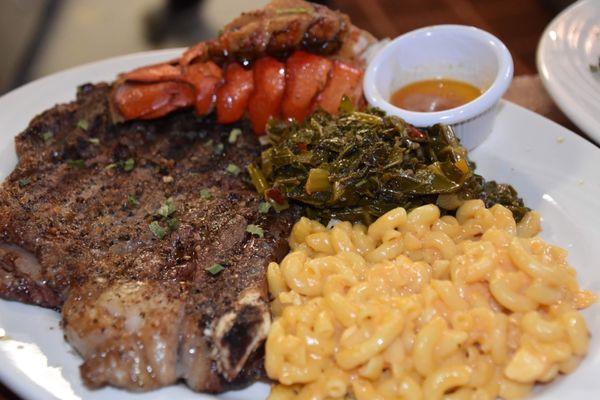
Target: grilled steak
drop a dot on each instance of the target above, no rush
(107, 223)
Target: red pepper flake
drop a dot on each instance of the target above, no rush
(303, 147)
(416, 134)
(275, 195)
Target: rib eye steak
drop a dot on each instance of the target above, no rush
(138, 233)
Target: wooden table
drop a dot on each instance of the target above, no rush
(526, 90)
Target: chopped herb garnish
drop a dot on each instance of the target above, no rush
(293, 10)
(255, 230)
(132, 200)
(94, 140)
(206, 194)
(165, 211)
(172, 223)
(234, 134)
(157, 230)
(78, 164)
(264, 207)
(128, 165)
(215, 269)
(167, 208)
(47, 137)
(219, 147)
(24, 182)
(233, 169)
(209, 143)
(83, 124)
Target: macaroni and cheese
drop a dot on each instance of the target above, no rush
(423, 306)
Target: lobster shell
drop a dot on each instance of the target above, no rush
(285, 60)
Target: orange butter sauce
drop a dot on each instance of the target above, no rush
(434, 95)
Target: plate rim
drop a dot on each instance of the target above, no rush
(565, 101)
(75, 68)
(29, 389)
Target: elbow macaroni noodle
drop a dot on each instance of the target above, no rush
(423, 306)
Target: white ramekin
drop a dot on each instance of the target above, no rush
(443, 51)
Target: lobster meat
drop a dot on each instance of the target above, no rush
(283, 61)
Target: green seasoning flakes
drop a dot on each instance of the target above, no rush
(216, 148)
(233, 169)
(255, 230)
(24, 182)
(77, 164)
(132, 200)
(206, 194)
(173, 224)
(215, 269)
(264, 207)
(165, 212)
(47, 137)
(83, 124)
(157, 230)
(219, 148)
(234, 134)
(128, 165)
(167, 208)
(94, 141)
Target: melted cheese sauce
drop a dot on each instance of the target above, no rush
(434, 95)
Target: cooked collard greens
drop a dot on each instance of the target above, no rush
(360, 164)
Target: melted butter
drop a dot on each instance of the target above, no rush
(434, 95)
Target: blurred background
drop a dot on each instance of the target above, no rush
(39, 37)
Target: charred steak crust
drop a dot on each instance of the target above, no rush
(141, 310)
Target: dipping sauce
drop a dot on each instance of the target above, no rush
(434, 95)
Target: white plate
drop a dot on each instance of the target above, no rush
(567, 48)
(556, 171)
